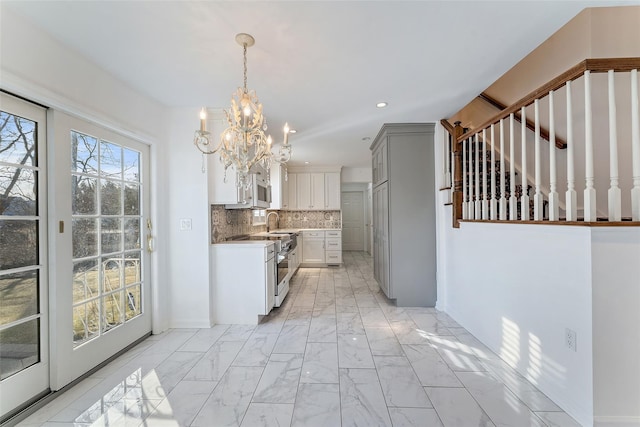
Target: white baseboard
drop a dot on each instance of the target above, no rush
(605, 421)
(190, 324)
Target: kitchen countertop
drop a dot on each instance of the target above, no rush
(297, 230)
(263, 243)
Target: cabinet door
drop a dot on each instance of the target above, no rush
(384, 240)
(313, 250)
(292, 195)
(303, 190)
(379, 163)
(317, 191)
(270, 268)
(332, 191)
(381, 233)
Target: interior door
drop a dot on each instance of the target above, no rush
(24, 337)
(102, 262)
(353, 229)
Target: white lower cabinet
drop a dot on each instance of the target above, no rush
(294, 261)
(333, 247)
(313, 251)
(243, 281)
(321, 247)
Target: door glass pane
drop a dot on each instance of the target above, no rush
(18, 187)
(84, 233)
(19, 347)
(17, 140)
(18, 296)
(18, 243)
(133, 301)
(86, 321)
(111, 274)
(131, 168)
(110, 160)
(132, 268)
(86, 277)
(112, 309)
(111, 235)
(131, 233)
(107, 235)
(111, 193)
(83, 195)
(84, 157)
(131, 199)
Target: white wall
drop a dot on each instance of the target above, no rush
(356, 175)
(516, 288)
(189, 292)
(40, 69)
(616, 325)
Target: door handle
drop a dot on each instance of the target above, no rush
(150, 240)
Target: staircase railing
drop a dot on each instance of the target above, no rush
(483, 164)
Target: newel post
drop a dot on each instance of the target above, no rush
(456, 148)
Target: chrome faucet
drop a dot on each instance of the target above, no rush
(277, 219)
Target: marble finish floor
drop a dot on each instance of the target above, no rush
(337, 353)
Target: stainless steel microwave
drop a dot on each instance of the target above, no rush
(257, 196)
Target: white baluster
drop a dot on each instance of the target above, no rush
(537, 197)
(614, 194)
(524, 199)
(553, 179)
(513, 200)
(472, 214)
(635, 148)
(571, 196)
(453, 168)
(465, 204)
(478, 204)
(447, 169)
(485, 195)
(589, 191)
(503, 198)
(493, 207)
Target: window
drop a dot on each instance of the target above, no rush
(260, 217)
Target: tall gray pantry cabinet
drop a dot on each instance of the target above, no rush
(404, 224)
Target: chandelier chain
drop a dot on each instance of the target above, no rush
(245, 67)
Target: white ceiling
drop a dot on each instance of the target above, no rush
(320, 65)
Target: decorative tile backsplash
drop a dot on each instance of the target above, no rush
(231, 222)
(308, 219)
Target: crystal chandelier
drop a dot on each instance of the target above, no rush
(243, 143)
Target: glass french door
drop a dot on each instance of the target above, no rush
(24, 338)
(103, 263)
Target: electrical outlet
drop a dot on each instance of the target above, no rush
(570, 339)
(185, 224)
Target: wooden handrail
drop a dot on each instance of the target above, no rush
(448, 126)
(599, 65)
(544, 134)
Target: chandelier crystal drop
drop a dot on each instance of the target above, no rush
(243, 144)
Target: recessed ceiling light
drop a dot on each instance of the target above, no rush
(292, 131)
(381, 104)
(306, 163)
(366, 138)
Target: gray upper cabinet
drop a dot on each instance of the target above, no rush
(404, 213)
